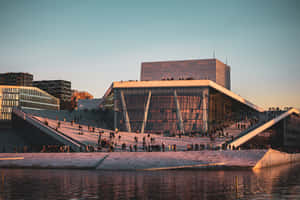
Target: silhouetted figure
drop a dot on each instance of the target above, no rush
(123, 146)
(144, 145)
(135, 148)
(99, 138)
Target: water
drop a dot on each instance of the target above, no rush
(274, 183)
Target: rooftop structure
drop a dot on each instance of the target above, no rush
(201, 69)
(12, 78)
(24, 97)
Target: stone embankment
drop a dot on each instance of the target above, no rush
(149, 160)
(273, 158)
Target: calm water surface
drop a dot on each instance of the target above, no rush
(274, 183)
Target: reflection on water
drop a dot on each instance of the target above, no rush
(273, 183)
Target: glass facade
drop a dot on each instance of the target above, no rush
(174, 110)
(224, 111)
(24, 97)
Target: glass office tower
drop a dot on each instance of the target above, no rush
(24, 97)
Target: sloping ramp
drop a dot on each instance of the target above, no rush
(64, 139)
(261, 127)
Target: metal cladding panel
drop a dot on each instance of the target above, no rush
(223, 74)
(187, 69)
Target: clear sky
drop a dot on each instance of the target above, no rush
(92, 43)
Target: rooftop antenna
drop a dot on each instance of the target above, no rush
(214, 56)
(226, 61)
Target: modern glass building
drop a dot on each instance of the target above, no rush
(176, 106)
(24, 97)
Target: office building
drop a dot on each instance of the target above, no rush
(24, 97)
(59, 88)
(11, 78)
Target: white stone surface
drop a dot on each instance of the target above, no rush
(274, 157)
(52, 160)
(132, 160)
(128, 138)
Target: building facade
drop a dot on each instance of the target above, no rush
(202, 69)
(58, 88)
(88, 104)
(24, 97)
(11, 78)
(175, 107)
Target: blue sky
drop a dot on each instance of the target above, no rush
(92, 43)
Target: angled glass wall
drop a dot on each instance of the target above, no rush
(176, 110)
(224, 111)
(170, 110)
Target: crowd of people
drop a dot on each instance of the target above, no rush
(115, 142)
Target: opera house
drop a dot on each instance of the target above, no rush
(181, 103)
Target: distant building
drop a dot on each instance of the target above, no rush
(24, 97)
(12, 78)
(202, 69)
(88, 104)
(59, 88)
(79, 95)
